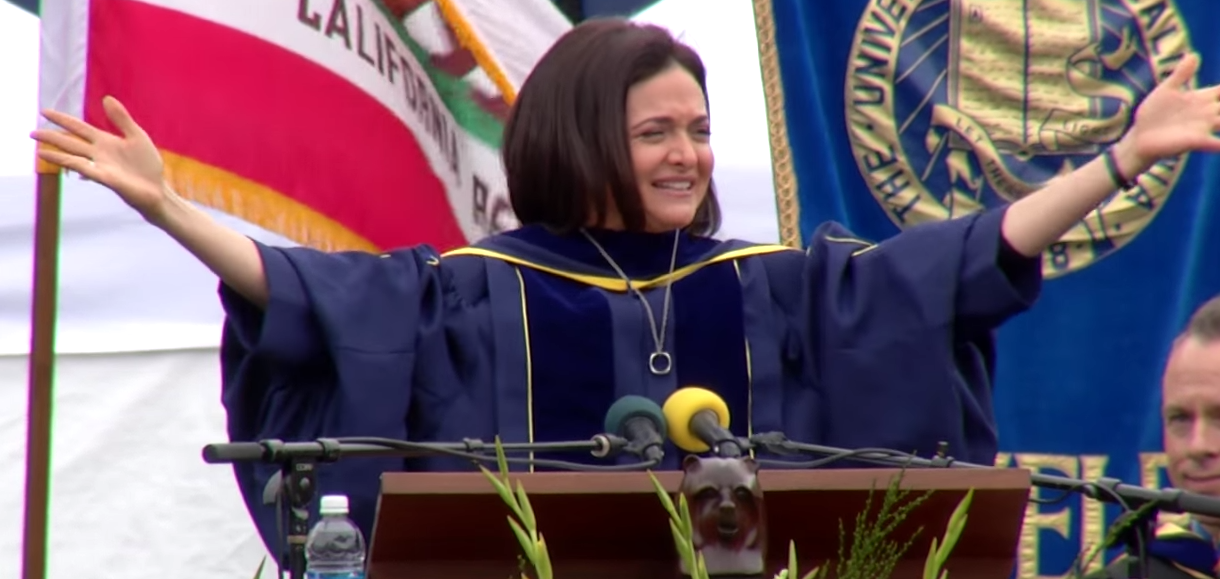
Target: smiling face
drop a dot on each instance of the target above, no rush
(671, 153)
(1191, 408)
(610, 130)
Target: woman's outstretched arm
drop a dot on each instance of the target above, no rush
(130, 165)
(1172, 120)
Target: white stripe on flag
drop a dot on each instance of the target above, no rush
(508, 37)
(62, 56)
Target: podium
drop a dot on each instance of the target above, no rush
(613, 526)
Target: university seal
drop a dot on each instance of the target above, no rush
(955, 106)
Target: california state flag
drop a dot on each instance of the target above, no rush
(341, 124)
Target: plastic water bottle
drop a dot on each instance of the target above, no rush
(335, 547)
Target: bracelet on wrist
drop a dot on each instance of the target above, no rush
(1120, 181)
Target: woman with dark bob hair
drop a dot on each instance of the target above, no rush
(614, 286)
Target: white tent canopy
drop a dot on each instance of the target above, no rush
(137, 382)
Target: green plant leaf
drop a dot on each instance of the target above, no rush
(527, 512)
(868, 551)
(543, 566)
(258, 573)
(929, 564)
(501, 459)
(792, 569)
(666, 501)
(527, 545)
(957, 524)
(682, 543)
(815, 573)
(507, 496)
(491, 477)
(701, 567)
(1084, 562)
(1077, 566)
(684, 512)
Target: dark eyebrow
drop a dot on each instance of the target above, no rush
(668, 121)
(1174, 408)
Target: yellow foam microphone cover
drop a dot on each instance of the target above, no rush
(682, 405)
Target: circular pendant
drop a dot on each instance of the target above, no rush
(660, 363)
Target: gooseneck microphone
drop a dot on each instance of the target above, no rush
(699, 421)
(296, 479)
(332, 449)
(641, 421)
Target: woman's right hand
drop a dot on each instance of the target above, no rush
(128, 164)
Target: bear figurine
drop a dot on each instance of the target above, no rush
(727, 515)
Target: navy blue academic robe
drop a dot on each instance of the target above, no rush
(528, 335)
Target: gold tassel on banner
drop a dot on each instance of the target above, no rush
(259, 205)
(482, 55)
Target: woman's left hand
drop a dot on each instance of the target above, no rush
(1174, 119)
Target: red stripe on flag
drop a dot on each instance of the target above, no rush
(233, 101)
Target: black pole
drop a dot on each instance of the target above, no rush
(299, 476)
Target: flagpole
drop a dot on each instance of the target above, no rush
(41, 371)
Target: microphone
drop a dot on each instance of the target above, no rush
(333, 449)
(698, 422)
(641, 421)
(296, 479)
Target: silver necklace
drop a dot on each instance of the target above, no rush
(660, 362)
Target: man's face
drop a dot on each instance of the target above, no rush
(1191, 411)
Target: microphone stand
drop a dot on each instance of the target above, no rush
(1140, 505)
(298, 483)
(298, 463)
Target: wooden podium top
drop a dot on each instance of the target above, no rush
(453, 525)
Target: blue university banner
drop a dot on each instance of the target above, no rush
(884, 114)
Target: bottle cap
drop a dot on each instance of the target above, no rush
(334, 505)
